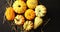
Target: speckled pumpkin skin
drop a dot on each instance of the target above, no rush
(29, 14)
(9, 13)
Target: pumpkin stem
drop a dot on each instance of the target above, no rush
(19, 6)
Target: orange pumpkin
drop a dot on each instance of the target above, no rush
(9, 13)
(29, 14)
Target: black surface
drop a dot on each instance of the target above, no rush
(52, 12)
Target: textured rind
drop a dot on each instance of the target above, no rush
(40, 10)
(30, 14)
(28, 25)
(19, 20)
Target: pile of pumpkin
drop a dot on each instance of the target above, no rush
(27, 13)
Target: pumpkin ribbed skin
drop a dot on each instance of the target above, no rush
(19, 20)
(28, 25)
(40, 10)
(9, 13)
(19, 7)
(32, 4)
(29, 14)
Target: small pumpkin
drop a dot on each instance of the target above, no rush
(40, 10)
(37, 22)
(30, 14)
(19, 20)
(19, 7)
(28, 25)
(32, 4)
(9, 13)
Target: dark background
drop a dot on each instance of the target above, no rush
(53, 12)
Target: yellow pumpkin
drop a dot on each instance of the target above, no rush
(9, 13)
(32, 3)
(19, 7)
(28, 25)
(40, 10)
(19, 20)
(37, 22)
